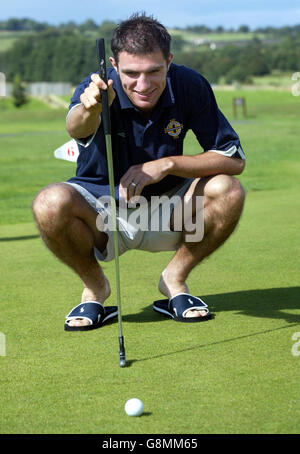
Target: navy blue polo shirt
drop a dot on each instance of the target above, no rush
(187, 102)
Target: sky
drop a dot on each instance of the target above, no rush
(172, 13)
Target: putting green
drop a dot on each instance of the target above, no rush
(233, 374)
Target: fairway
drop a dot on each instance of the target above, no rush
(235, 374)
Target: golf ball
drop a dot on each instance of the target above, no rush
(134, 407)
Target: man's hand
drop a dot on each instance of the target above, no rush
(84, 119)
(197, 166)
(141, 175)
(91, 97)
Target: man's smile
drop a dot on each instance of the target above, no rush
(145, 95)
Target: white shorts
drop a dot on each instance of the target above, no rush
(129, 235)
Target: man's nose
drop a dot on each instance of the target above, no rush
(143, 83)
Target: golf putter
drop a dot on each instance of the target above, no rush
(107, 131)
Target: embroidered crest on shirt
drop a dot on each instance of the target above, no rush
(174, 128)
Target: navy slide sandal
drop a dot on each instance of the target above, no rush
(179, 305)
(92, 311)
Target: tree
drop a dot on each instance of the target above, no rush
(19, 92)
(177, 43)
(106, 29)
(238, 74)
(88, 25)
(244, 29)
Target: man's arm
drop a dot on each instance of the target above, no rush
(83, 120)
(200, 165)
(205, 164)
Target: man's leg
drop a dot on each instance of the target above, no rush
(223, 205)
(67, 224)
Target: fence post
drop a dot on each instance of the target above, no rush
(239, 102)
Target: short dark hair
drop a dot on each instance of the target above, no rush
(140, 35)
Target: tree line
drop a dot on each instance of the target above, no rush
(25, 24)
(67, 53)
(233, 63)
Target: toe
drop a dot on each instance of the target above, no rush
(79, 322)
(195, 313)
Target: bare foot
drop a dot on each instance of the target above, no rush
(170, 287)
(89, 295)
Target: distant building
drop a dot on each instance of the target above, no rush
(41, 89)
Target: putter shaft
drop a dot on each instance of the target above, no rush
(107, 131)
(114, 223)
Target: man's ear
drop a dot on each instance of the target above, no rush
(113, 62)
(171, 56)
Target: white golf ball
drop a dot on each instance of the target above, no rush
(134, 407)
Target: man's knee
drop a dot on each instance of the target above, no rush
(225, 186)
(52, 202)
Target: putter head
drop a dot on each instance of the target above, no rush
(122, 352)
(122, 361)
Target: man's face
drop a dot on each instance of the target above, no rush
(143, 77)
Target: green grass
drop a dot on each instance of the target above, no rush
(276, 79)
(194, 40)
(215, 37)
(7, 107)
(28, 139)
(234, 374)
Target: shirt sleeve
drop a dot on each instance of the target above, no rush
(213, 131)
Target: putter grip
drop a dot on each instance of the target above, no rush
(104, 94)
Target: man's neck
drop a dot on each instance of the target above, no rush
(146, 114)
